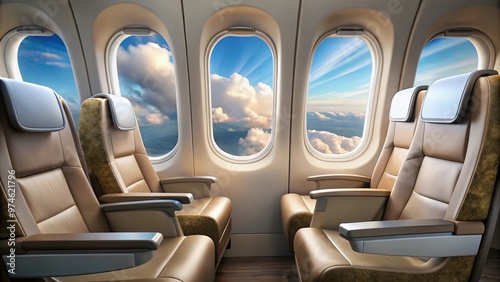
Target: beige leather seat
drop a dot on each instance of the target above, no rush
(57, 225)
(116, 156)
(432, 225)
(297, 210)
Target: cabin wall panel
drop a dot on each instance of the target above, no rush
(55, 16)
(254, 188)
(390, 22)
(482, 15)
(98, 21)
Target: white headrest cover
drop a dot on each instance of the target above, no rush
(122, 112)
(31, 107)
(403, 104)
(447, 99)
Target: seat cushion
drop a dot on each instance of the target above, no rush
(178, 259)
(209, 216)
(322, 255)
(296, 213)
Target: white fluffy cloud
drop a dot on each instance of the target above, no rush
(235, 100)
(337, 114)
(155, 118)
(331, 143)
(218, 115)
(149, 79)
(255, 141)
(321, 116)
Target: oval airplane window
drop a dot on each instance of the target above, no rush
(145, 74)
(339, 89)
(241, 74)
(44, 60)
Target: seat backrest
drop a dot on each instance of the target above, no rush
(404, 115)
(113, 146)
(452, 163)
(39, 157)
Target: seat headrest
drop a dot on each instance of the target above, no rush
(447, 98)
(31, 107)
(403, 104)
(122, 112)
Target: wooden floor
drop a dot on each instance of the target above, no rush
(491, 271)
(267, 269)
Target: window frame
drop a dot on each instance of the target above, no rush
(484, 47)
(10, 43)
(240, 31)
(114, 82)
(377, 61)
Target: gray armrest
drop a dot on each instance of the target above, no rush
(359, 230)
(334, 206)
(199, 186)
(183, 198)
(349, 192)
(340, 181)
(108, 241)
(414, 237)
(181, 179)
(43, 255)
(130, 217)
(169, 206)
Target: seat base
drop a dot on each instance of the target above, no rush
(175, 260)
(209, 216)
(296, 213)
(322, 255)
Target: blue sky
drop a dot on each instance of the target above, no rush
(250, 57)
(444, 57)
(242, 82)
(241, 90)
(339, 76)
(44, 60)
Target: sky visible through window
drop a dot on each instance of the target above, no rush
(241, 89)
(337, 92)
(147, 78)
(339, 83)
(443, 57)
(44, 60)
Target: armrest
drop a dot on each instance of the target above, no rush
(349, 192)
(183, 198)
(181, 179)
(414, 237)
(45, 255)
(108, 241)
(340, 181)
(199, 186)
(335, 206)
(169, 206)
(130, 217)
(358, 230)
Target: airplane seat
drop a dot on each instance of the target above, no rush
(297, 210)
(56, 228)
(435, 222)
(116, 157)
